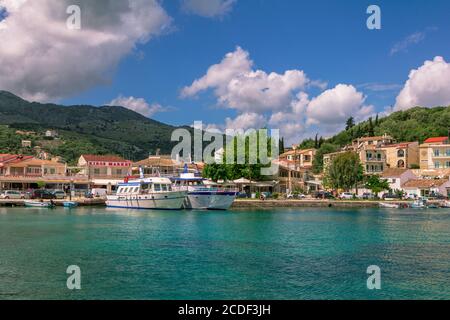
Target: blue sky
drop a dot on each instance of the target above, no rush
(328, 40)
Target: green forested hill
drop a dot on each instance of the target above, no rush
(108, 129)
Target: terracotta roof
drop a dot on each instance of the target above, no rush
(393, 172)
(107, 158)
(13, 158)
(425, 183)
(436, 140)
(399, 145)
(156, 162)
(297, 151)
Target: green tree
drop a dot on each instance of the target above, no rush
(376, 184)
(345, 171)
(350, 123)
(235, 170)
(325, 148)
(371, 130)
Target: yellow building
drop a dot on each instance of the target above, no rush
(402, 155)
(435, 153)
(301, 158)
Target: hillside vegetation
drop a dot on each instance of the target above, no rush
(82, 129)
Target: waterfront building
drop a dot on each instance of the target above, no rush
(380, 153)
(300, 158)
(435, 153)
(398, 177)
(295, 170)
(402, 155)
(19, 172)
(164, 165)
(426, 187)
(104, 171)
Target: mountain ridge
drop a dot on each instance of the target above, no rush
(135, 135)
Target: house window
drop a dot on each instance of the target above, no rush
(437, 164)
(447, 152)
(401, 153)
(394, 180)
(447, 164)
(437, 152)
(96, 171)
(400, 164)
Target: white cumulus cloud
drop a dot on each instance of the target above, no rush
(427, 86)
(138, 105)
(41, 59)
(208, 8)
(248, 120)
(336, 105)
(239, 87)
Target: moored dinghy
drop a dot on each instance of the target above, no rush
(38, 204)
(70, 204)
(389, 205)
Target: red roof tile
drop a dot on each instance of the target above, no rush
(437, 140)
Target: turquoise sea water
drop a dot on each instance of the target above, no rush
(268, 254)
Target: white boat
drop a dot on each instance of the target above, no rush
(38, 204)
(419, 204)
(147, 193)
(389, 205)
(202, 197)
(445, 204)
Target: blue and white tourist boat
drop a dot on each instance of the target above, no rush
(147, 193)
(203, 197)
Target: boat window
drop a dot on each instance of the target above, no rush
(170, 187)
(119, 190)
(125, 190)
(157, 187)
(164, 187)
(145, 186)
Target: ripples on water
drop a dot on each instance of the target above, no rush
(272, 254)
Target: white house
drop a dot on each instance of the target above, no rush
(425, 187)
(398, 177)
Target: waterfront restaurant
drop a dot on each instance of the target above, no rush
(104, 171)
(19, 172)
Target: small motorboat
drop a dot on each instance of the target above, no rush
(70, 204)
(445, 204)
(389, 205)
(39, 204)
(419, 204)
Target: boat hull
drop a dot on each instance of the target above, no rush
(32, 204)
(156, 201)
(209, 200)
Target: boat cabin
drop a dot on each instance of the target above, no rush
(145, 187)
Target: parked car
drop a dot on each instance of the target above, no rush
(242, 195)
(59, 194)
(42, 194)
(346, 196)
(437, 196)
(391, 196)
(295, 196)
(368, 196)
(323, 195)
(11, 194)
